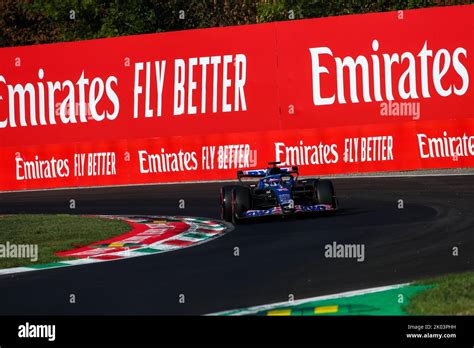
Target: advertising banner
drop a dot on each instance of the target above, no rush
(361, 93)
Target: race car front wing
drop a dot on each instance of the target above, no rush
(279, 211)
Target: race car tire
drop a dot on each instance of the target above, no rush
(226, 202)
(241, 202)
(325, 192)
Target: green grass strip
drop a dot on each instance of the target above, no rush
(450, 295)
(53, 233)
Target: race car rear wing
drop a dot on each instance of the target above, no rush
(260, 173)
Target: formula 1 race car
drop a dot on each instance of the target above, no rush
(275, 191)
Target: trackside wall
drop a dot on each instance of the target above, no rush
(361, 93)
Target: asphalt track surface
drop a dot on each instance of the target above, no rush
(277, 257)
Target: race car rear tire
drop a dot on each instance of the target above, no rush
(325, 192)
(241, 202)
(226, 202)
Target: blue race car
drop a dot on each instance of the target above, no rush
(275, 191)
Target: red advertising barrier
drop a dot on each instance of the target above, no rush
(362, 93)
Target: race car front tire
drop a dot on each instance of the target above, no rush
(226, 202)
(325, 192)
(241, 202)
